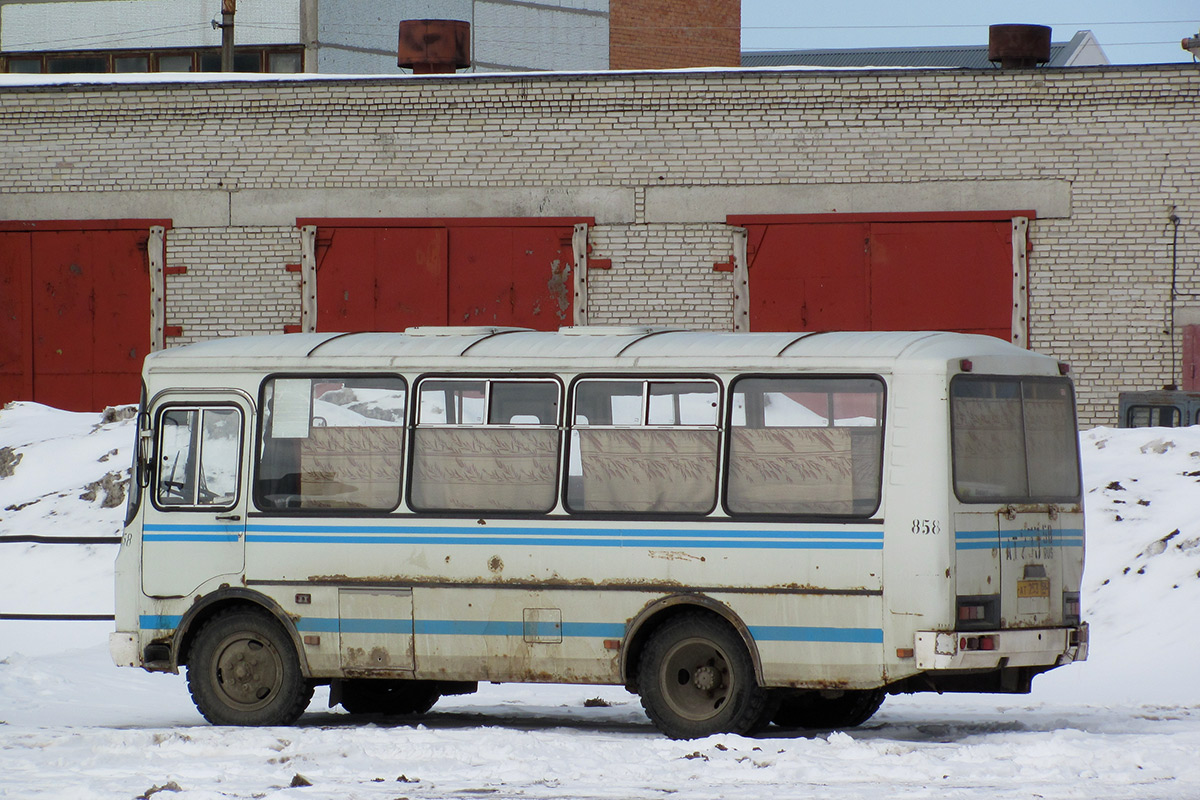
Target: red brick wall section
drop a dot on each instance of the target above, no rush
(666, 34)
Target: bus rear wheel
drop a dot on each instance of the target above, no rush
(825, 710)
(696, 679)
(243, 670)
(391, 698)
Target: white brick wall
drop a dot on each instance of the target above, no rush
(1124, 139)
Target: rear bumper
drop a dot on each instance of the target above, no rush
(1044, 647)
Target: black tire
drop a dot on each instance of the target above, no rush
(817, 709)
(697, 679)
(243, 670)
(391, 698)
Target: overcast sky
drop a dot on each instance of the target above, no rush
(1145, 32)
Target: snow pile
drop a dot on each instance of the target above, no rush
(1124, 724)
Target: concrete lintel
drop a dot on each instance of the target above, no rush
(185, 209)
(684, 204)
(607, 204)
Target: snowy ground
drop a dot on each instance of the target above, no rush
(1126, 724)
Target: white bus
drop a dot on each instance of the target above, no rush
(741, 528)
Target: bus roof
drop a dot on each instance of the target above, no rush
(623, 346)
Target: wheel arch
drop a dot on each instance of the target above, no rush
(659, 611)
(221, 600)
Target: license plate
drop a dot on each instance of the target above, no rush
(1039, 588)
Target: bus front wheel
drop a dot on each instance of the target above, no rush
(697, 679)
(243, 670)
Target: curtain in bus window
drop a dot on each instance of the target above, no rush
(1051, 438)
(648, 470)
(488, 470)
(331, 442)
(805, 446)
(989, 443)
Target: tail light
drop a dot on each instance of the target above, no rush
(1071, 613)
(978, 612)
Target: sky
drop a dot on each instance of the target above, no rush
(1145, 32)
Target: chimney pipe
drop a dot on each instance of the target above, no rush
(1017, 46)
(434, 46)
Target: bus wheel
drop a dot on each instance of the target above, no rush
(393, 698)
(817, 709)
(243, 670)
(696, 679)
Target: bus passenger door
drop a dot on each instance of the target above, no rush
(194, 525)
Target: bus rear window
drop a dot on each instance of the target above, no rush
(1014, 440)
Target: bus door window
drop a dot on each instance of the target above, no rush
(486, 445)
(644, 446)
(805, 446)
(199, 458)
(331, 442)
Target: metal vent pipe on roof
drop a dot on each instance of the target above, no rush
(1017, 46)
(434, 46)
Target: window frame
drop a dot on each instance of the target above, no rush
(156, 468)
(415, 422)
(570, 426)
(806, 516)
(260, 431)
(1029, 498)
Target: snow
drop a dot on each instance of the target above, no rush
(1124, 724)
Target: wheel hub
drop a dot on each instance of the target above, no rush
(248, 673)
(706, 678)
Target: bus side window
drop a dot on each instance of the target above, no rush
(508, 463)
(331, 442)
(642, 446)
(805, 446)
(199, 458)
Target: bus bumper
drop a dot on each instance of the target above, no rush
(1005, 648)
(123, 647)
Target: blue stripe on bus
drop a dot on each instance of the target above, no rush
(568, 630)
(725, 538)
(157, 532)
(1015, 540)
(789, 633)
(270, 528)
(567, 537)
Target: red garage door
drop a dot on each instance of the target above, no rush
(387, 275)
(74, 313)
(885, 273)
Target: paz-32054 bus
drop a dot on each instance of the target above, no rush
(741, 528)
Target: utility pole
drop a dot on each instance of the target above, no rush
(228, 9)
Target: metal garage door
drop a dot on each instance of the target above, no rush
(387, 275)
(74, 312)
(886, 273)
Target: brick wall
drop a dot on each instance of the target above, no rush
(667, 34)
(236, 284)
(242, 160)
